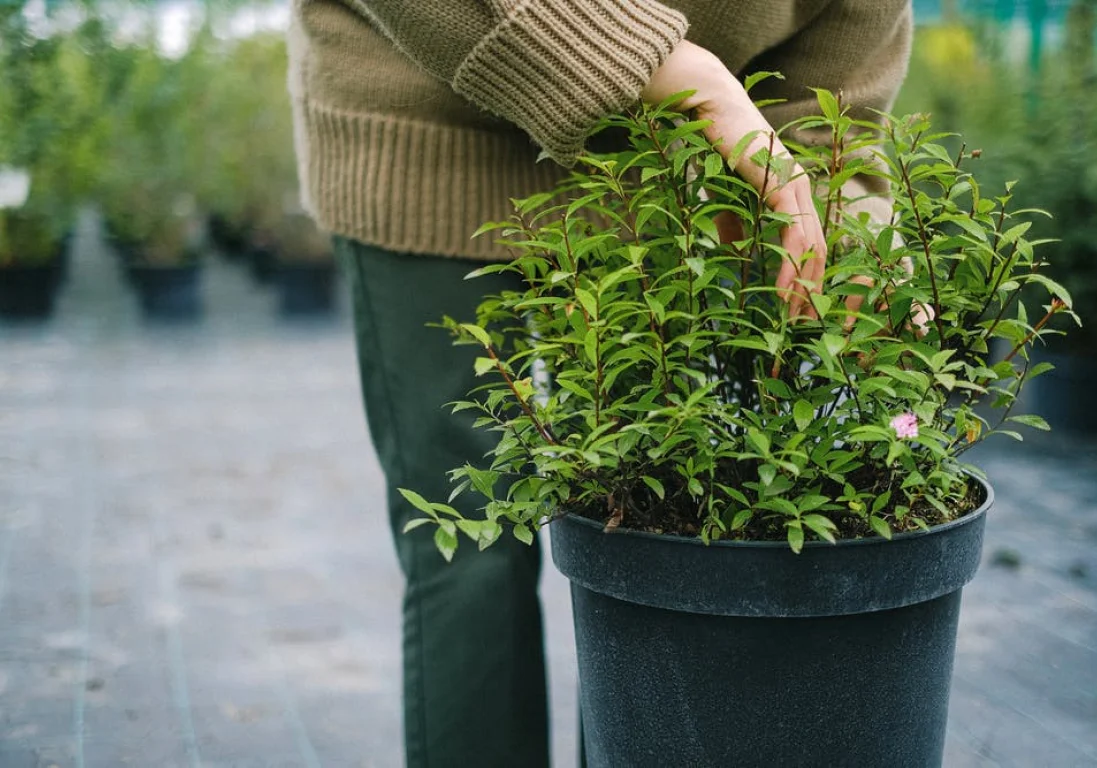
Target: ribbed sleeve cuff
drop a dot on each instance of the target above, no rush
(555, 67)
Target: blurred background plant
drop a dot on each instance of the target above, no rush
(50, 130)
(171, 116)
(1018, 81)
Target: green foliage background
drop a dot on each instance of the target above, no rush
(1037, 126)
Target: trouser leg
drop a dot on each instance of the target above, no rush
(474, 673)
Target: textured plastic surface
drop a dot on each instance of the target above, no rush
(306, 289)
(27, 292)
(766, 578)
(664, 688)
(748, 655)
(169, 293)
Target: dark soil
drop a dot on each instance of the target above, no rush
(639, 509)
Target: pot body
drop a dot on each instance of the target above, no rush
(27, 293)
(169, 294)
(263, 263)
(230, 239)
(1062, 396)
(746, 654)
(305, 289)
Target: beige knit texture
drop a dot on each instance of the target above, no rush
(556, 67)
(418, 120)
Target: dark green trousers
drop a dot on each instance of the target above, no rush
(474, 670)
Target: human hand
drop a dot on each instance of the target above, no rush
(719, 97)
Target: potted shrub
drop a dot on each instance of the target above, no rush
(147, 192)
(767, 521)
(49, 135)
(306, 268)
(248, 165)
(30, 263)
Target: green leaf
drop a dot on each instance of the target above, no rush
(880, 526)
(828, 103)
(686, 128)
(803, 414)
(523, 534)
(471, 528)
(742, 517)
(823, 526)
(590, 344)
(446, 543)
(575, 389)
(759, 440)
(483, 480)
(766, 473)
(490, 532)
(1031, 420)
(881, 501)
(821, 303)
(656, 307)
(834, 344)
(654, 485)
(695, 488)
(483, 365)
(477, 333)
(714, 165)
(418, 502)
(795, 536)
(590, 304)
(417, 522)
(756, 77)
(524, 387)
(697, 264)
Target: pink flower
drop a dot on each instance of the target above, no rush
(905, 425)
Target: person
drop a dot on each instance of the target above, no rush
(418, 120)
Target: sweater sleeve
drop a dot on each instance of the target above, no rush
(551, 67)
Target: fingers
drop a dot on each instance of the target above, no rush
(856, 300)
(802, 272)
(783, 184)
(729, 227)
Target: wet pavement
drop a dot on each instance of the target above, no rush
(195, 567)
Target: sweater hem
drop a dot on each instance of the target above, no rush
(413, 186)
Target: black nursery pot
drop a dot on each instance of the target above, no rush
(745, 654)
(306, 290)
(169, 294)
(1063, 396)
(229, 238)
(27, 293)
(263, 264)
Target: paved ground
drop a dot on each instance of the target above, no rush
(194, 568)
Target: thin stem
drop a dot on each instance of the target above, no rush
(909, 187)
(541, 428)
(1056, 306)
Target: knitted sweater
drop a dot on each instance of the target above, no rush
(418, 120)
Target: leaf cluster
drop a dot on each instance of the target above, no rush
(648, 374)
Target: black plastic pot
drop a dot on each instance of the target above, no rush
(263, 263)
(1063, 396)
(64, 259)
(230, 239)
(169, 294)
(745, 654)
(306, 289)
(27, 293)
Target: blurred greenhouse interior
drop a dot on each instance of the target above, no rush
(194, 568)
(172, 120)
